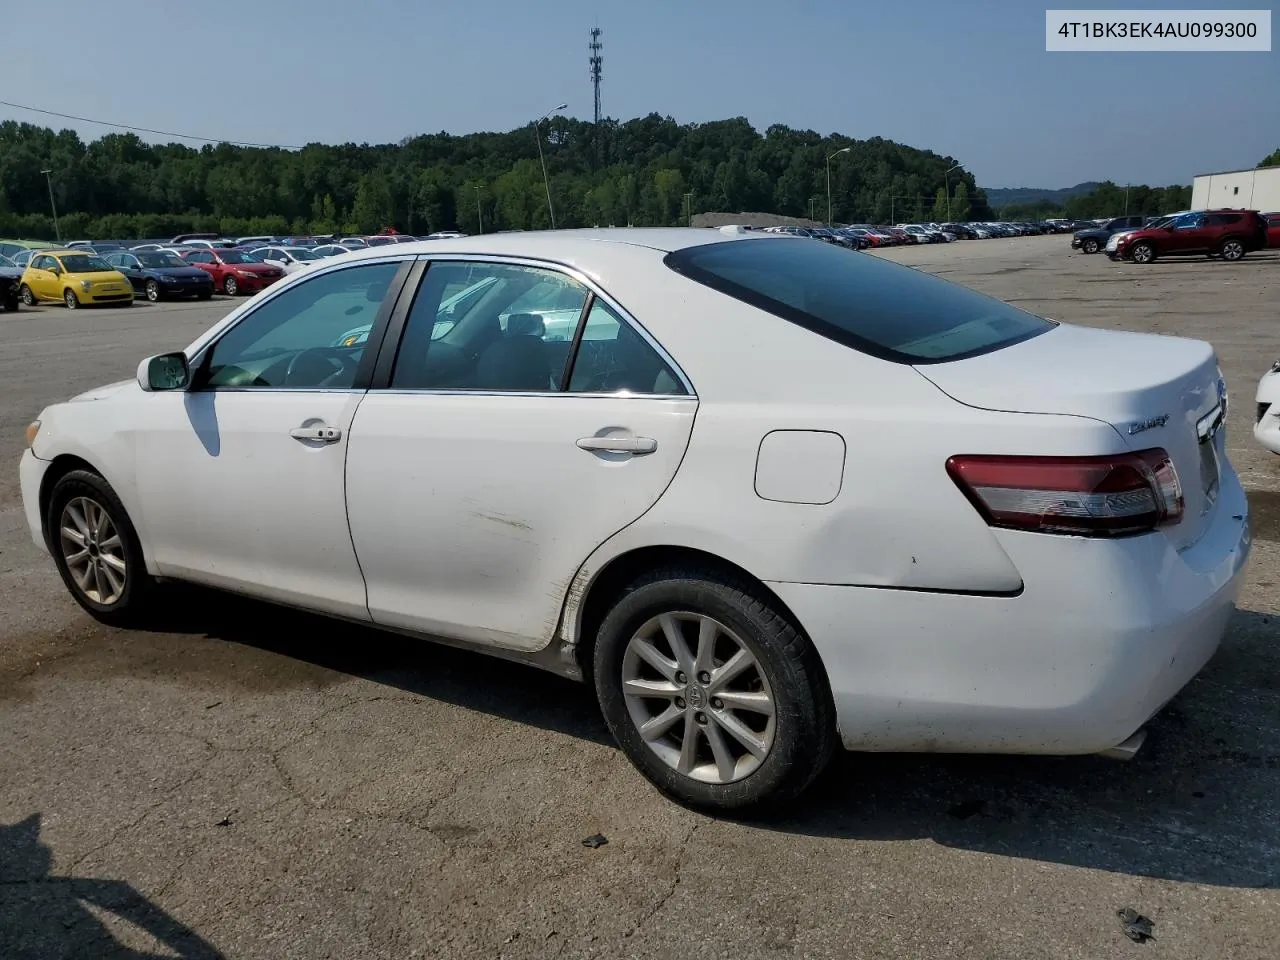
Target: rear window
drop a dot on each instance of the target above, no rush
(862, 301)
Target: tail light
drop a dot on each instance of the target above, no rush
(1108, 496)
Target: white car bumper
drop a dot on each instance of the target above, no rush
(30, 474)
(1266, 429)
(1103, 634)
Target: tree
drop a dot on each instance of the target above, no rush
(940, 206)
(1272, 159)
(960, 207)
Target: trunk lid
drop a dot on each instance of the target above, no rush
(1156, 391)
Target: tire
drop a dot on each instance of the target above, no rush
(1142, 253)
(1232, 249)
(70, 299)
(230, 287)
(26, 296)
(794, 743)
(1089, 246)
(204, 295)
(152, 291)
(124, 597)
(11, 304)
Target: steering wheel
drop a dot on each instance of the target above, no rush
(318, 366)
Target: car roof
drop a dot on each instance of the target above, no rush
(566, 244)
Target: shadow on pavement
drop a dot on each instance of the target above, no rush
(1200, 803)
(321, 651)
(47, 917)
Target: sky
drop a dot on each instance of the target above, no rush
(969, 78)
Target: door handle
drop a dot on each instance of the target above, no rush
(619, 444)
(321, 433)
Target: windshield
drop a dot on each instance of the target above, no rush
(873, 305)
(160, 260)
(235, 256)
(84, 263)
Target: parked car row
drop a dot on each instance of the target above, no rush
(1229, 234)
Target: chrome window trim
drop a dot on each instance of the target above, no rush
(277, 289)
(575, 274)
(462, 392)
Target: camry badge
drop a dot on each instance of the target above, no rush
(1151, 424)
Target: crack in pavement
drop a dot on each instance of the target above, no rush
(675, 881)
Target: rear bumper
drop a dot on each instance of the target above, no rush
(1103, 634)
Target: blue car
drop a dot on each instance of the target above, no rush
(161, 275)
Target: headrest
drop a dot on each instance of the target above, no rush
(525, 325)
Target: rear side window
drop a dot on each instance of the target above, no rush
(872, 305)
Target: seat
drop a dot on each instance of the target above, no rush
(518, 360)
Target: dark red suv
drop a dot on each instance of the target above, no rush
(1228, 234)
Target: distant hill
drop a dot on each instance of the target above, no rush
(1004, 196)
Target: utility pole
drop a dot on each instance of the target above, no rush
(479, 214)
(57, 234)
(537, 136)
(688, 209)
(946, 178)
(1126, 199)
(836, 154)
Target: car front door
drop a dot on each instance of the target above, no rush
(241, 476)
(39, 276)
(1189, 234)
(131, 267)
(500, 450)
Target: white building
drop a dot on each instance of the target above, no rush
(1257, 189)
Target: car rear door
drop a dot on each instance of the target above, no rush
(495, 452)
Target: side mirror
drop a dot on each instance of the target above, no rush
(168, 371)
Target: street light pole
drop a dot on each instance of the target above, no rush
(946, 178)
(836, 154)
(57, 234)
(1126, 199)
(688, 209)
(479, 214)
(537, 136)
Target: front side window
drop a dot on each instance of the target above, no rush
(870, 304)
(43, 263)
(1188, 221)
(289, 341)
(489, 326)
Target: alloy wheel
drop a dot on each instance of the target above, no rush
(231, 286)
(698, 697)
(93, 550)
(153, 291)
(1143, 253)
(1232, 250)
(70, 299)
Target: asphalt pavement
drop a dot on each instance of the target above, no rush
(244, 781)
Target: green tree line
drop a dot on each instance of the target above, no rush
(1107, 200)
(649, 171)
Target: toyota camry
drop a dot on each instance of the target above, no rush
(767, 498)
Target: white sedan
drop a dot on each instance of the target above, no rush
(1266, 428)
(765, 497)
(288, 259)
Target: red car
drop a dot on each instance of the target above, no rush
(234, 271)
(1228, 234)
(1273, 229)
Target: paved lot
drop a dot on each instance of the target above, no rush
(257, 783)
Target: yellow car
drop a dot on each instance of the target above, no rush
(76, 277)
